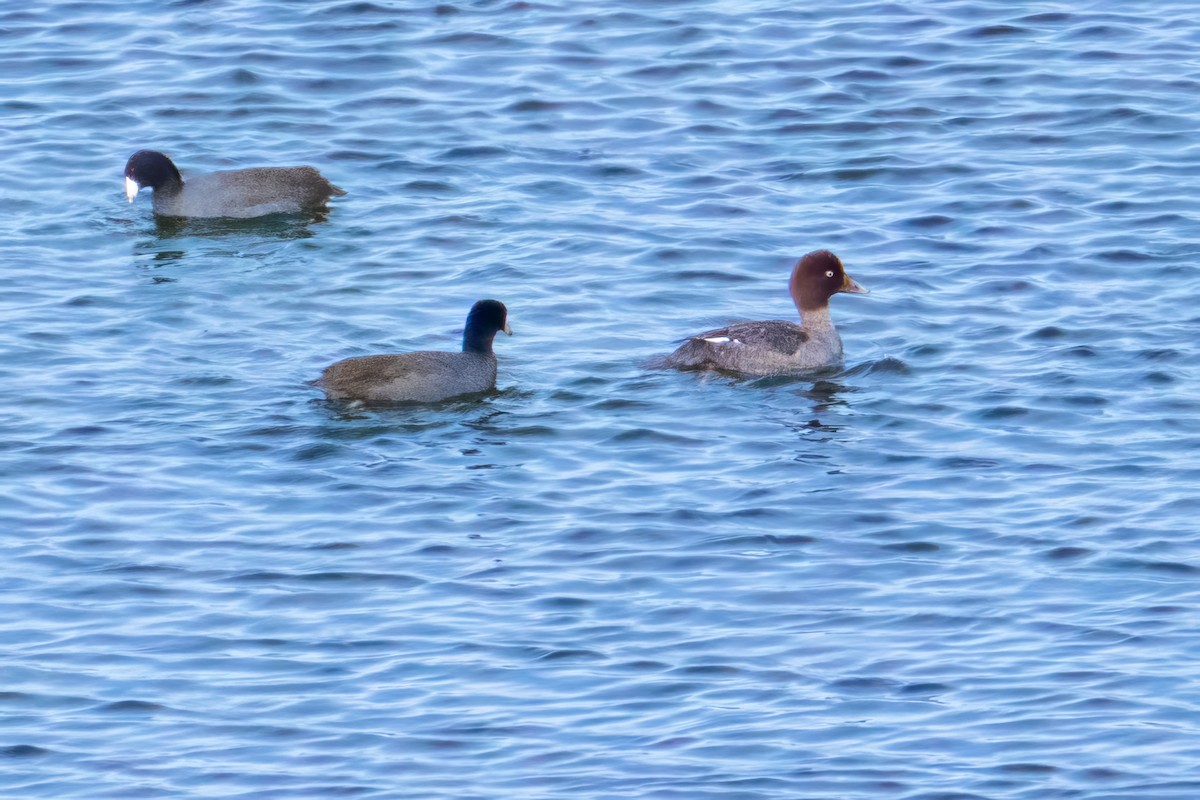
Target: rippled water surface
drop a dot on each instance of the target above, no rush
(965, 565)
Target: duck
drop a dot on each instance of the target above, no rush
(426, 376)
(243, 193)
(775, 347)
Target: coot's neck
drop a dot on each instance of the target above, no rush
(477, 339)
(170, 181)
(171, 185)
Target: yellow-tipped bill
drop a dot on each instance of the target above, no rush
(850, 286)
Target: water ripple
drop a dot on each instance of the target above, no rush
(960, 565)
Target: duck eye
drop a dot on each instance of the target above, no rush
(828, 273)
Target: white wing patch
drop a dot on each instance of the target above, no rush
(721, 340)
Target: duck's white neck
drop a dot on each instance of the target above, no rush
(817, 320)
(823, 336)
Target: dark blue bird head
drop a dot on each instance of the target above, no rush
(486, 319)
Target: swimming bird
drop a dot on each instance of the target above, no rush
(243, 193)
(426, 376)
(777, 346)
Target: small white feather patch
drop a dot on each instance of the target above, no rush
(720, 340)
(131, 189)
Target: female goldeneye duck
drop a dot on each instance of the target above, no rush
(252, 192)
(778, 346)
(426, 376)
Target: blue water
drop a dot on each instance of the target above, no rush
(966, 565)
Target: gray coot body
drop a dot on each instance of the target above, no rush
(774, 347)
(243, 193)
(426, 376)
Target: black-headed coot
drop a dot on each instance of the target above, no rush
(426, 376)
(229, 193)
